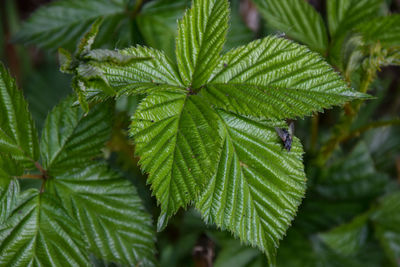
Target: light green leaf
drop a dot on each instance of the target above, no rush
(40, 233)
(201, 36)
(138, 77)
(344, 15)
(157, 23)
(277, 78)
(296, 18)
(347, 239)
(258, 185)
(62, 23)
(9, 186)
(385, 30)
(70, 138)
(18, 135)
(109, 212)
(177, 139)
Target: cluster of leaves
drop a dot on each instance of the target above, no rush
(83, 208)
(204, 133)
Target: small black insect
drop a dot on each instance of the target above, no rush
(286, 136)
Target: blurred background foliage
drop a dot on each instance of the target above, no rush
(351, 213)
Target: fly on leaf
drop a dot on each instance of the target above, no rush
(286, 136)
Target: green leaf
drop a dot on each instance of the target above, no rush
(277, 78)
(201, 36)
(385, 30)
(70, 138)
(352, 177)
(62, 23)
(40, 233)
(18, 135)
(386, 220)
(157, 23)
(9, 186)
(296, 18)
(109, 212)
(138, 77)
(257, 187)
(344, 15)
(177, 139)
(347, 239)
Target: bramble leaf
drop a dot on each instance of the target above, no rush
(296, 18)
(385, 30)
(109, 212)
(70, 138)
(257, 187)
(176, 137)
(9, 186)
(201, 36)
(18, 135)
(276, 78)
(39, 232)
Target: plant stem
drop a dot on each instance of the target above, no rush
(30, 176)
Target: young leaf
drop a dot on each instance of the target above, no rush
(40, 233)
(18, 135)
(344, 15)
(257, 187)
(176, 137)
(109, 212)
(272, 75)
(61, 23)
(201, 36)
(296, 18)
(70, 138)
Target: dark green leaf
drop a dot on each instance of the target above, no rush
(40, 233)
(109, 212)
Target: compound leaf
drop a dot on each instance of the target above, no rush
(201, 36)
(39, 232)
(177, 139)
(276, 78)
(257, 187)
(61, 23)
(109, 212)
(18, 135)
(70, 138)
(296, 18)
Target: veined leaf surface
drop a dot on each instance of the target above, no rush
(39, 232)
(177, 139)
(201, 36)
(257, 187)
(109, 212)
(18, 135)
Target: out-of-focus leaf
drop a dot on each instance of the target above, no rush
(296, 18)
(385, 30)
(353, 177)
(70, 138)
(344, 15)
(347, 239)
(255, 175)
(157, 22)
(18, 135)
(39, 232)
(387, 226)
(109, 212)
(62, 23)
